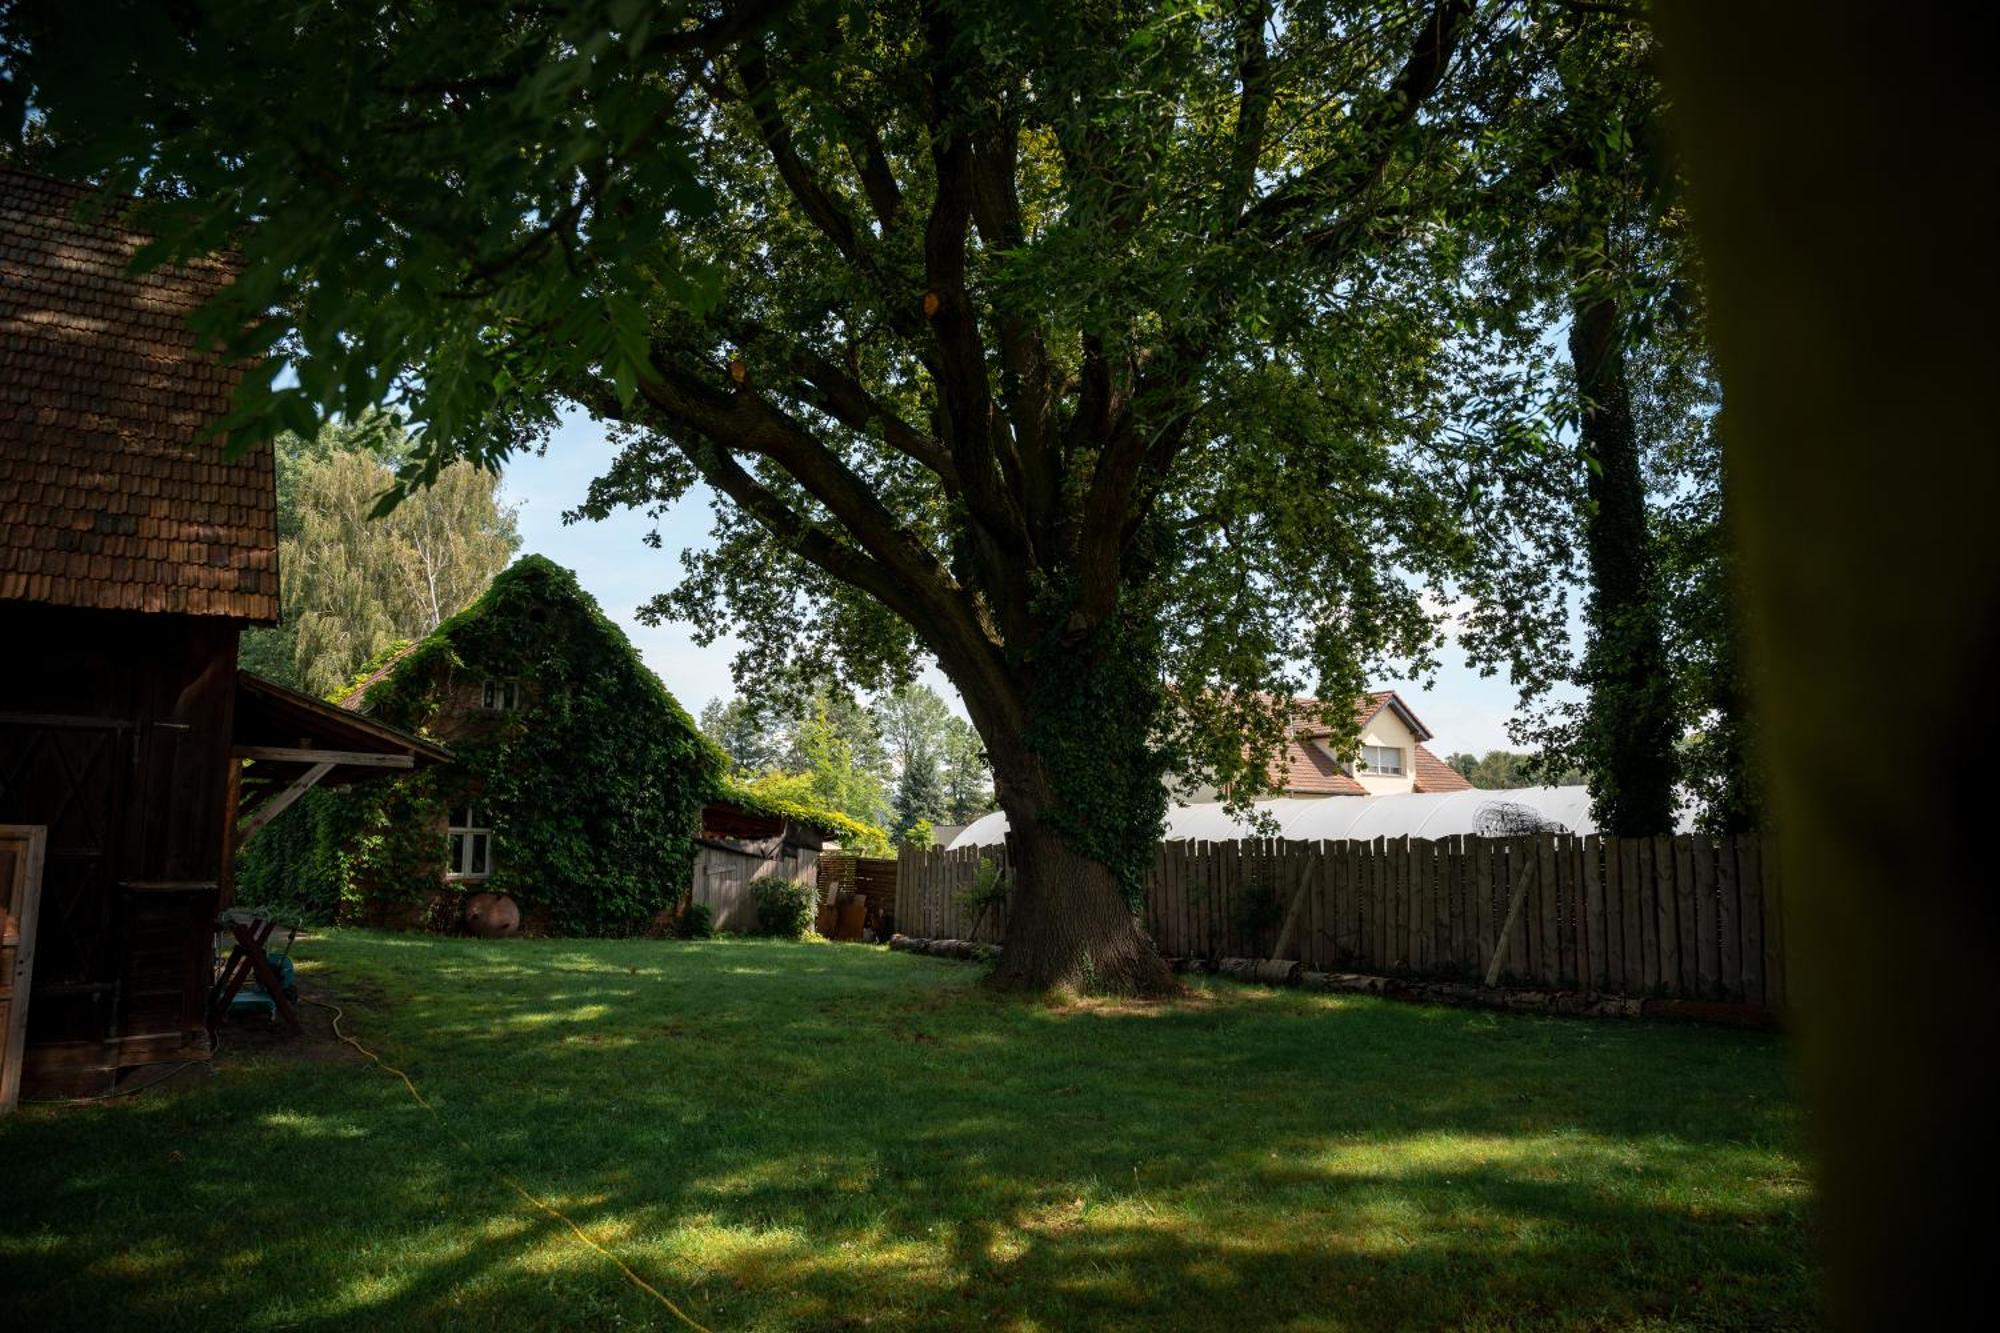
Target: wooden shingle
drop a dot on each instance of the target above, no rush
(111, 495)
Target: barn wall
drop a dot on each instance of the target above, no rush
(114, 732)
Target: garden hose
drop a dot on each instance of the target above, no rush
(511, 1183)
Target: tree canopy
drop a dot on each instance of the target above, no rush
(1118, 356)
(354, 585)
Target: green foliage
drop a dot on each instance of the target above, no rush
(785, 907)
(987, 893)
(968, 779)
(1096, 713)
(823, 752)
(743, 731)
(355, 585)
(594, 787)
(1085, 348)
(919, 797)
(791, 797)
(696, 922)
(940, 765)
(1590, 239)
(1505, 770)
(425, 189)
(301, 862)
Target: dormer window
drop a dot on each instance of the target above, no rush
(1382, 760)
(501, 696)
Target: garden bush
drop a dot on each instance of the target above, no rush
(785, 907)
(697, 922)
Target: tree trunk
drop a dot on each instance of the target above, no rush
(1069, 927)
(1628, 740)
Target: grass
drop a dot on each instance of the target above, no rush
(812, 1136)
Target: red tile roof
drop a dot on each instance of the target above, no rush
(1434, 774)
(1309, 769)
(109, 495)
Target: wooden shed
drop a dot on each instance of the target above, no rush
(132, 555)
(739, 846)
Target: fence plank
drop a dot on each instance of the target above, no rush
(1729, 918)
(1707, 918)
(1482, 899)
(1631, 914)
(1579, 924)
(1457, 868)
(1422, 907)
(1593, 911)
(1385, 872)
(1420, 904)
(1355, 888)
(1451, 905)
(1649, 913)
(1666, 920)
(1775, 971)
(1614, 917)
(1687, 917)
(1549, 882)
(1749, 887)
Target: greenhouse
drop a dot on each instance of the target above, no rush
(1412, 815)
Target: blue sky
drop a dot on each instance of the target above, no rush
(613, 562)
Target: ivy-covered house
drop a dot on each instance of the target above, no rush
(577, 784)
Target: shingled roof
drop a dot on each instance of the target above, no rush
(110, 495)
(1307, 768)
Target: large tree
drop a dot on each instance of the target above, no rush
(1588, 233)
(1113, 354)
(356, 582)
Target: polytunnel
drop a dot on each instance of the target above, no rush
(1412, 815)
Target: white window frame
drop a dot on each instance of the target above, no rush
(1368, 764)
(500, 694)
(468, 842)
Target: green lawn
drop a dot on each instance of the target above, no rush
(811, 1136)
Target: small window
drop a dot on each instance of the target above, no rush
(501, 696)
(1384, 759)
(469, 853)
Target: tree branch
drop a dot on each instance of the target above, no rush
(1423, 70)
(1253, 109)
(826, 211)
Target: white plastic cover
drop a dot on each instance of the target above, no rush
(1414, 815)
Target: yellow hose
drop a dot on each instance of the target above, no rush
(508, 1180)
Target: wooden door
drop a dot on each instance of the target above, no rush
(21, 848)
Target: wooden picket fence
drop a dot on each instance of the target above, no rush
(1691, 917)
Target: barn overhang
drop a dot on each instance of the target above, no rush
(284, 743)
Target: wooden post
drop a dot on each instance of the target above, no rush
(1665, 917)
(1731, 919)
(1522, 875)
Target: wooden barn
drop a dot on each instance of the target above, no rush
(132, 556)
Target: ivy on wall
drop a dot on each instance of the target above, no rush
(593, 786)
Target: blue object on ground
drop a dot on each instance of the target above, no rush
(287, 978)
(251, 1000)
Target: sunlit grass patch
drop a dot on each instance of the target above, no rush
(807, 1136)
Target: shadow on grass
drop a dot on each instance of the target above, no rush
(811, 1136)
